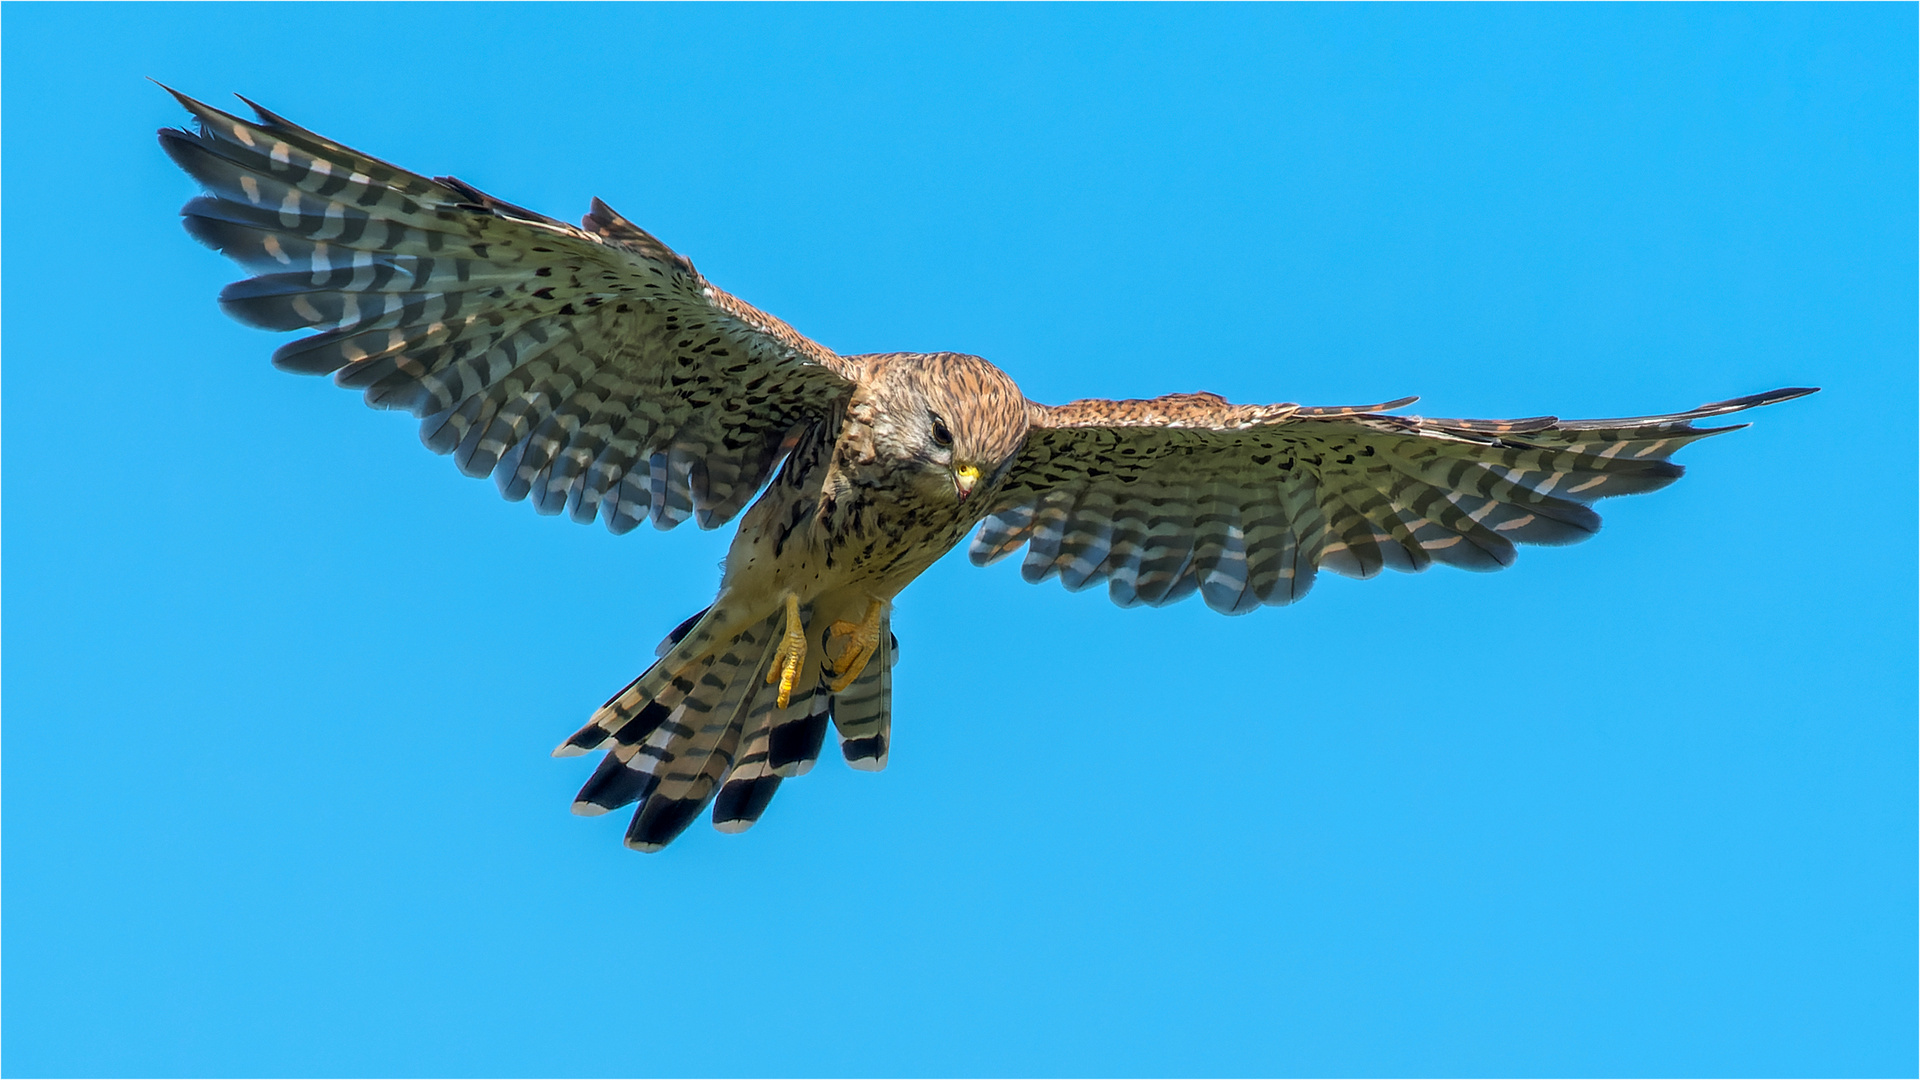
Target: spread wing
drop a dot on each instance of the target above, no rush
(591, 369)
(1244, 503)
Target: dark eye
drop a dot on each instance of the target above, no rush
(940, 433)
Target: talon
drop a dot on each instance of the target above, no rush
(865, 641)
(791, 654)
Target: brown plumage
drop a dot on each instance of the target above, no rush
(594, 371)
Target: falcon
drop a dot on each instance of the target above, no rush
(594, 372)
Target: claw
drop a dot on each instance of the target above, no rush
(791, 654)
(865, 641)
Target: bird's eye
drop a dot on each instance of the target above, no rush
(941, 435)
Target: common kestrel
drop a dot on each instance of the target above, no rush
(594, 371)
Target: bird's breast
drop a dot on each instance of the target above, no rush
(834, 521)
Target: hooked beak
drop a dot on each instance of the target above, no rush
(964, 479)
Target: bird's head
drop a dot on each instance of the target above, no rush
(954, 420)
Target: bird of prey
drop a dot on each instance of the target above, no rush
(596, 373)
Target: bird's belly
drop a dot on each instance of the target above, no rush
(861, 547)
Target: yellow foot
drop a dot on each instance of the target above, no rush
(864, 641)
(792, 652)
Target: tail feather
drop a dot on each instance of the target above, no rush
(751, 785)
(618, 781)
(676, 769)
(633, 767)
(678, 633)
(664, 816)
(800, 730)
(702, 725)
(642, 704)
(863, 712)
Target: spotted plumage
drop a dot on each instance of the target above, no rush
(592, 370)
(1161, 498)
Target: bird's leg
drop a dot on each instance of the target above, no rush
(864, 641)
(791, 654)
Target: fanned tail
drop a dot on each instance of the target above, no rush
(702, 724)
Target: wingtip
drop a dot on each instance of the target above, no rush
(266, 115)
(177, 95)
(1754, 401)
(198, 109)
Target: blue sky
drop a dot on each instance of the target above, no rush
(280, 686)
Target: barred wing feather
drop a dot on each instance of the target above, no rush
(1164, 497)
(591, 370)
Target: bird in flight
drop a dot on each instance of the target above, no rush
(596, 373)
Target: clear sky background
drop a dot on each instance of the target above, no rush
(280, 685)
